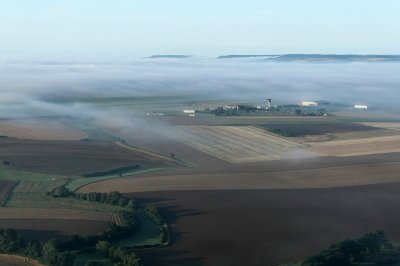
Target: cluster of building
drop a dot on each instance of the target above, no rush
(306, 108)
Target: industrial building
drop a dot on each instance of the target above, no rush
(360, 107)
(309, 104)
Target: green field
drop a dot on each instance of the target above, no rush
(77, 183)
(16, 175)
(149, 234)
(31, 192)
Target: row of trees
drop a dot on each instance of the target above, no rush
(346, 252)
(115, 171)
(154, 213)
(113, 197)
(157, 216)
(120, 255)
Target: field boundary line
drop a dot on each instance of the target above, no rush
(154, 154)
(9, 192)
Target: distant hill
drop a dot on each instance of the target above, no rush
(243, 56)
(321, 57)
(335, 57)
(170, 56)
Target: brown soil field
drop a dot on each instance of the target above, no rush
(39, 130)
(303, 129)
(5, 189)
(72, 157)
(306, 173)
(267, 227)
(14, 260)
(238, 144)
(45, 229)
(374, 145)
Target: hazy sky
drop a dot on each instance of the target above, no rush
(206, 27)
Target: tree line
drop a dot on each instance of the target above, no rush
(115, 171)
(350, 251)
(112, 198)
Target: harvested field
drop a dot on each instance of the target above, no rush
(14, 260)
(39, 130)
(309, 173)
(304, 129)
(268, 227)
(5, 189)
(385, 125)
(354, 147)
(72, 157)
(238, 144)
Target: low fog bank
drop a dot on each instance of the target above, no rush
(54, 86)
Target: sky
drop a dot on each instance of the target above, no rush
(138, 28)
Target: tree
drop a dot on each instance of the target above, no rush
(33, 249)
(103, 246)
(53, 257)
(6, 163)
(132, 204)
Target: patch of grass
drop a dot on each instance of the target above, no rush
(149, 234)
(77, 183)
(16, 175)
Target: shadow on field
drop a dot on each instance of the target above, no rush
(42, 235)
(157, 257)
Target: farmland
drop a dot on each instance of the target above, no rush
(241, 144)
(281, 226)
(39, 130)
(304, 129)
(276, 182)
(351, 147)
(5, 189)
(386, 125)
(71, 157)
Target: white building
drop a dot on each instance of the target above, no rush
(360, 107)
(305, 103)
(189, 111)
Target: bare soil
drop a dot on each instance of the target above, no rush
(45, 229)
(72, 157)
(319, 172)
(303, 129)
(14, 260)
(268, 227)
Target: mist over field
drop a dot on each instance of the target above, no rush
(55, 86)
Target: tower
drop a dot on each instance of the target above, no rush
(269, 103)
